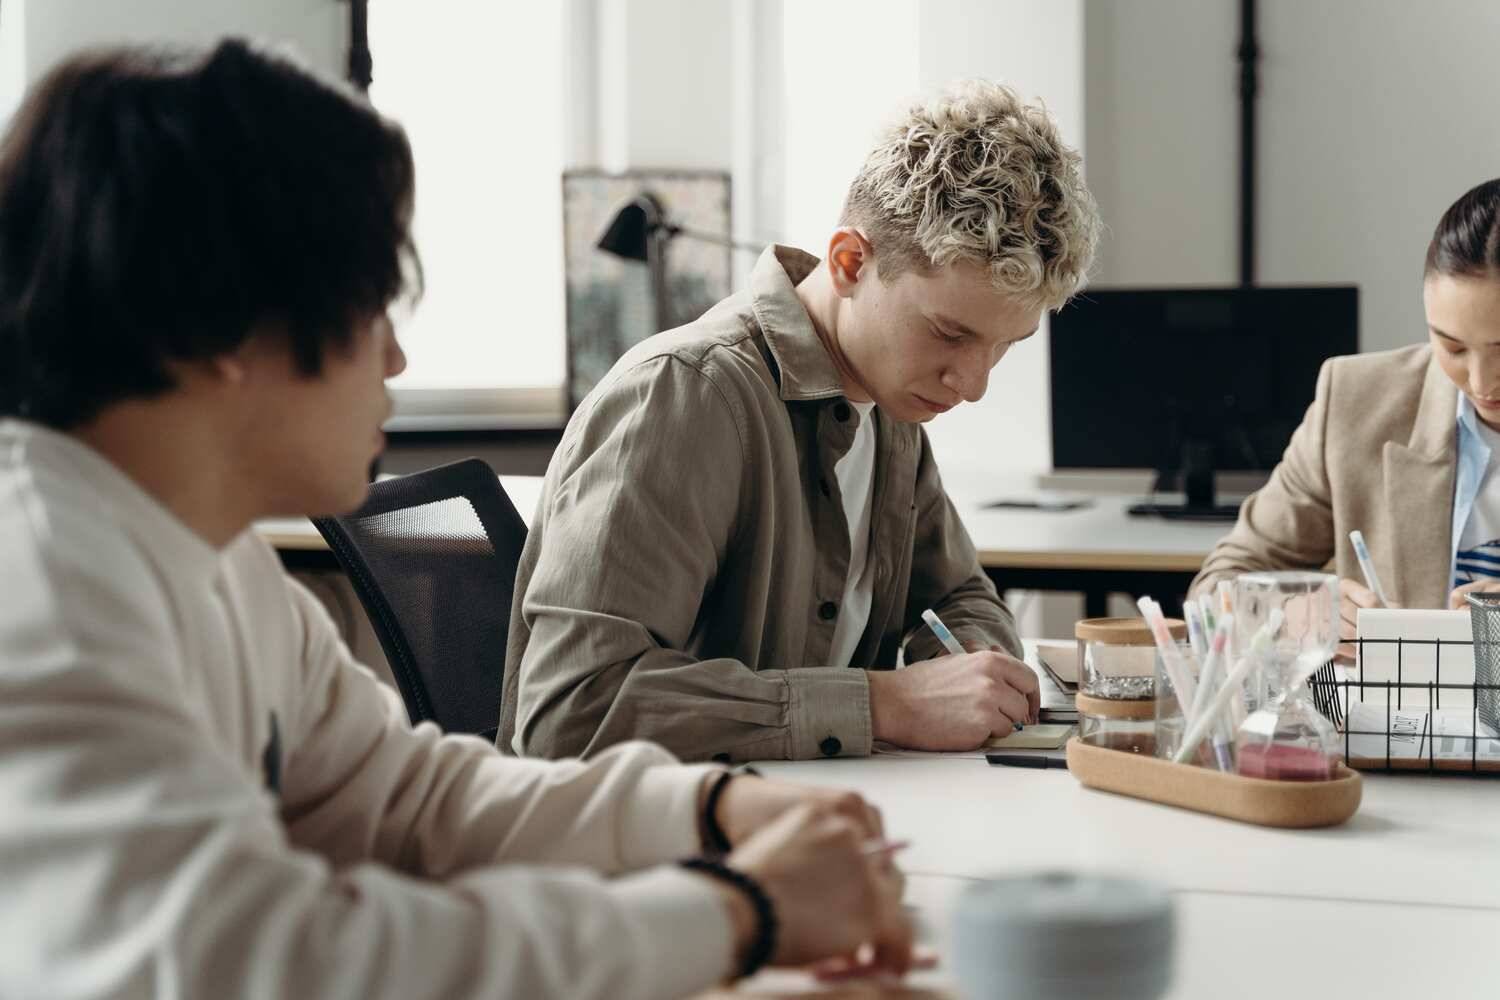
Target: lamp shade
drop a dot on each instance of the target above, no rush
(629, 232)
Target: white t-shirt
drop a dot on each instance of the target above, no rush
(1478, 555)
(856, 476)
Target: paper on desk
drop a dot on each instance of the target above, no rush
(1059, 660)
(1447, 733)
(1419, 659)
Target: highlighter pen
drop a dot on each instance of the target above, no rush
(941, 631)
(1367, 566)
(951, 644)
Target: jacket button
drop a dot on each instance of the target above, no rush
(828, 611)
(830, 746)
(823, 486)
(721, 758)
(841, 412)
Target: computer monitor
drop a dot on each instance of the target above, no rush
(1190, 380)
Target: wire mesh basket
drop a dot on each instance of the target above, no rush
(1420, 704)
(1484, 616)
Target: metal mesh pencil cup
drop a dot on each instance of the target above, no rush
(1484, 617)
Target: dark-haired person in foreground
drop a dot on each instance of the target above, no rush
(1400, 445)
(201, 793)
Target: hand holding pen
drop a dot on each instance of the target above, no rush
(953, 702)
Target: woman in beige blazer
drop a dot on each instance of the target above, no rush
(1393, 444)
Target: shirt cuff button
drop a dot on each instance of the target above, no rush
(830, 746)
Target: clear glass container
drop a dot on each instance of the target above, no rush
(1289, 623)
(1168, 703)
(1132, 735)
(1117, 657)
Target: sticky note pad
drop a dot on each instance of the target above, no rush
(1040, 737)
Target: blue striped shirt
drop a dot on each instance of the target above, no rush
(1480, 558)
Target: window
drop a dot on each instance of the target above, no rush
(479, 90)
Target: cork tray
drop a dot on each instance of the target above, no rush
(1291, 804)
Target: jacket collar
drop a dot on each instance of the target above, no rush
(806, 370)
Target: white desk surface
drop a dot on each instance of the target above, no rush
(1402, 900)
(1247, 948)
(1416, 839)
(1100, 536)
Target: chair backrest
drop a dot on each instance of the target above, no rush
(433, 558)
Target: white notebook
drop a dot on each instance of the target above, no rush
(1421, 660)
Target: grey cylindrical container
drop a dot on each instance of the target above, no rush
(1063, 936)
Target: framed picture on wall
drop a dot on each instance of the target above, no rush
(612, 299)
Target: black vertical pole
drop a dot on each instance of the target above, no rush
(1249, 55)
(360, 63)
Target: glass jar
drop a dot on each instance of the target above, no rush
(1117, 657)
(1170, 717)
(1118, 724)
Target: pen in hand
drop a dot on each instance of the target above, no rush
(941, 631)
(1367, 567)
(951, 644)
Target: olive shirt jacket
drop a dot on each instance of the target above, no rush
(681, 579)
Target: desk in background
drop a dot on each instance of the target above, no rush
(1097, 550)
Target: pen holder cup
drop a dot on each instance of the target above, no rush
(1170, 719)
(1484, 619)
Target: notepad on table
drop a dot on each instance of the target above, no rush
(1037, 737)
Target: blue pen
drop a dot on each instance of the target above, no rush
(949, 642)
(941, 631)
(1367, 566)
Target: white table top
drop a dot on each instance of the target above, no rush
(1232, 947)
(1100, 536)
(1416, 839)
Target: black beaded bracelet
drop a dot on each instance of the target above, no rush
(764, 945)
(718, 841)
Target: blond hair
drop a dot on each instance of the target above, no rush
(976, 174)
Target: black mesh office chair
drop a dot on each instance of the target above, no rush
(433, 558)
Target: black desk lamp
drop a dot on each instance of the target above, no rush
(641, 231)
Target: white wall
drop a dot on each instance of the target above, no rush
(316, 29)
(1373, 116)
(1377, 116)
(1160, 86)
(664, 84)
(12, 57)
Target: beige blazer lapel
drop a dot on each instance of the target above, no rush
(1418, 480)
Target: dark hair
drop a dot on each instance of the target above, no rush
(163, 205)
(1467, 240)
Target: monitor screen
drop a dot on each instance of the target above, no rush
(1137, 373)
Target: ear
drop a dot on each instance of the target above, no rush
(851, 259)
(231, 369)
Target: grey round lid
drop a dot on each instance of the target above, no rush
(1056, 934)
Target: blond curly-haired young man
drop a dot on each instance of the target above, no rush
(747, 506)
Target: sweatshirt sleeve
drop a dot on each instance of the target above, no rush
(141, 857)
